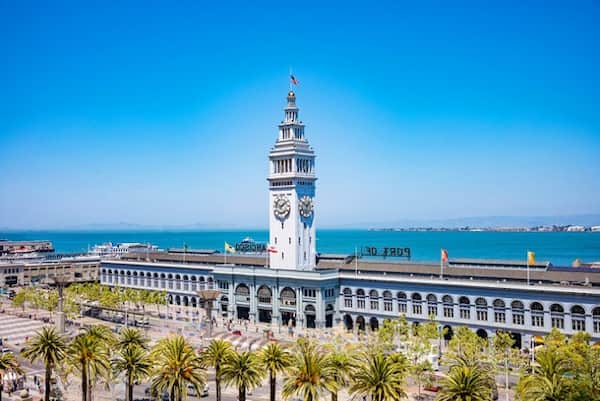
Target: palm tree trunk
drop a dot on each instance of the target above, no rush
(217, 382)
(84, 382)
(1, 386)
(129, 395)
(272, 384)
(242, 393)
(334, 396)
(47, 379)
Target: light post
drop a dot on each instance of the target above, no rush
(61, 282)
(208, 295)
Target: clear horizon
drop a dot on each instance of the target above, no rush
(163, 115)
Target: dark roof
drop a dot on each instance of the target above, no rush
(494, 271)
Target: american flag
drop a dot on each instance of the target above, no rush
(444, 256)
(294, 80)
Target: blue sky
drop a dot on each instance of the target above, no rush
(162, 113)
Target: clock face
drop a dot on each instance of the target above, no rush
(306, 206)
(281, 206)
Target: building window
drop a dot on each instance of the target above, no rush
(578, 318)
(464, 306)
(518, 312)
(481, 309)
(432, 309)
(374, 300)
(417, 307)
(347, 297)
(360, 299)
(499, 311)
(387, 301)
(281, 255)
(537, 314)
(557, 316)
(401, 302)
(448, 306)
(290, 240)
(596, 319)
(264, 295)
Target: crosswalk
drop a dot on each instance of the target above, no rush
(243, 343)
(16, 330)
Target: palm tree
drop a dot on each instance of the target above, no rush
(102, 333)
(134, 361)
(129, 337)
(378, 376)
(274, 359)
(177, 365)
(342, 365)
(310, 374)
(217, 353)
(244, 371)
(466, 383)
(549, 381)
(88, 355)
(8, 363)
(49, 347)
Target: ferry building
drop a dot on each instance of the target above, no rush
(292, 285)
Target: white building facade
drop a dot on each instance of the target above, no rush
(294, 289)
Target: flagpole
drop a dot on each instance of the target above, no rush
(441, 266)
(527, 267)
(225, 254)
(356, 261)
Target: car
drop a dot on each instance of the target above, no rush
(191, 391)
(204, 392)
(5, 351)
(236, 333)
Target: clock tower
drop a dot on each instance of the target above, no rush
(291, 195)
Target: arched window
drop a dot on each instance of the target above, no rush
(242, 293)
(596, 319)
(448, 306)
(464, 306)
(360, 298)
(537, 314)
(387, 301)
(499, 311)
(432, 305)
(518, 312)
(417, 300)
(557, 316)
(264, 295)
(401, 302)
(347, 297)
(374, 299)
(578, 318)
(481, 309)
(288, 297)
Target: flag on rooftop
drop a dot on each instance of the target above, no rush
(272, 249)
(444, 256)
(294, 80)
(530, 258)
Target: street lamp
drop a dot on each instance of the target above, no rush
(61, 282)
(208, 295)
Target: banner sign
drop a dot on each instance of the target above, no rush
(249, 246)
(385, 252)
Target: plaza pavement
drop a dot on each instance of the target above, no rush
(16, 327)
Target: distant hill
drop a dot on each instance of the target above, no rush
(489, 222)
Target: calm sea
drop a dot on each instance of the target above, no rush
(559, 248)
